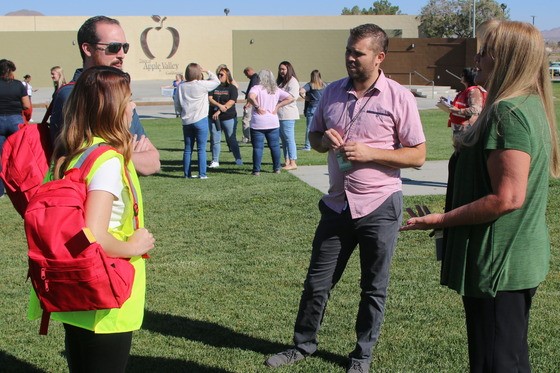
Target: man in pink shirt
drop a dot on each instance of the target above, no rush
(370, 127)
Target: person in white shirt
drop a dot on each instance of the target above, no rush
(192, 97)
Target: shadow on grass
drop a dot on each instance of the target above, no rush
(9, 363)
(437, 184)
(141, 364)
(170, 149)
(219, 336)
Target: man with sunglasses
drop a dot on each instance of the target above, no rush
(102, 43)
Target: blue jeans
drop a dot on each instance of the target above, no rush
(273, 141)
(195, 131)
(8, 125)
(308, 120)
(287, 129)
(229, 127)
(336, 237)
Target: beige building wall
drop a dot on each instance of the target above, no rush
(36, 43)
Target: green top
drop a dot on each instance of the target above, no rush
(512, 252)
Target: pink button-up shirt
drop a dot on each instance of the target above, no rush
(386, 117)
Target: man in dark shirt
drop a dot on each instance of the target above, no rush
(98, 40)
(253, 80)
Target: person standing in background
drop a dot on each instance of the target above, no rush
(178, 80)
(253, 81)
(311, 92)
(266, 99)
(58, 79)
(13, 101)
(27, 113)
(468, 103)
(192, 96)
(223, 116)
(288, 114)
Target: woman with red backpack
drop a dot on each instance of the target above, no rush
(99, 111)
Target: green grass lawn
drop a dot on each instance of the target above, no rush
(225, 278)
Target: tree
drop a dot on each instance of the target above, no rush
(380, 7)
(384, 7)
(453, 18)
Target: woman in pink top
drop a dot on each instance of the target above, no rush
(266, 99)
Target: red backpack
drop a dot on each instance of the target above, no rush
(25, 160)
(68, 269)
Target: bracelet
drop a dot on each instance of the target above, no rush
(257, 107)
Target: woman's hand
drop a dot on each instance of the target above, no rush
(142, 240)
(216, 115)
(431, 221)
(421, 219)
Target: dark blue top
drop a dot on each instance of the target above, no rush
(253, 81)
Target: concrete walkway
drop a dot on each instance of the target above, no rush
(430, 179)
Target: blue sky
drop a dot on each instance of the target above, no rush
(546, 14)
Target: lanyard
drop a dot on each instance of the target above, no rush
(347, 127)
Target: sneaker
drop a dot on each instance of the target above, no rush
(277, 171)
(287, 357)
(238, 162)
(256, 173)
(203, 177)
(357, 366)
(214, 164)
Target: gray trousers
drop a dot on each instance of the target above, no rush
(247, 123)
(336, 237)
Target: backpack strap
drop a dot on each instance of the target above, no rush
(86, 162)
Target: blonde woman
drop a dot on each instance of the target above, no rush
(98, 110)
(57, 76)
(311, 92)
(497, 247)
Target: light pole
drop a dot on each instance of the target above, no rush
(503, 6)
(533, 19)
(474, 19)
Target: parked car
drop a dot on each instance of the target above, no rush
(554, 70)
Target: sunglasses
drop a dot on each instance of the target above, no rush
(115, 47)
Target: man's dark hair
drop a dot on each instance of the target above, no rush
(380, 40)
(88, 31)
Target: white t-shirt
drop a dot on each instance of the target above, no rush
(290, 111)
(29, 88)
(108, 178)
(193, 98)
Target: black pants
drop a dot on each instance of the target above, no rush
(497, 332)
(90, 352)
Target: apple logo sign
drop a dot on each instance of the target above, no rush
(160, 39)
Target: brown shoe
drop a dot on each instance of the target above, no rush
(290, 165)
